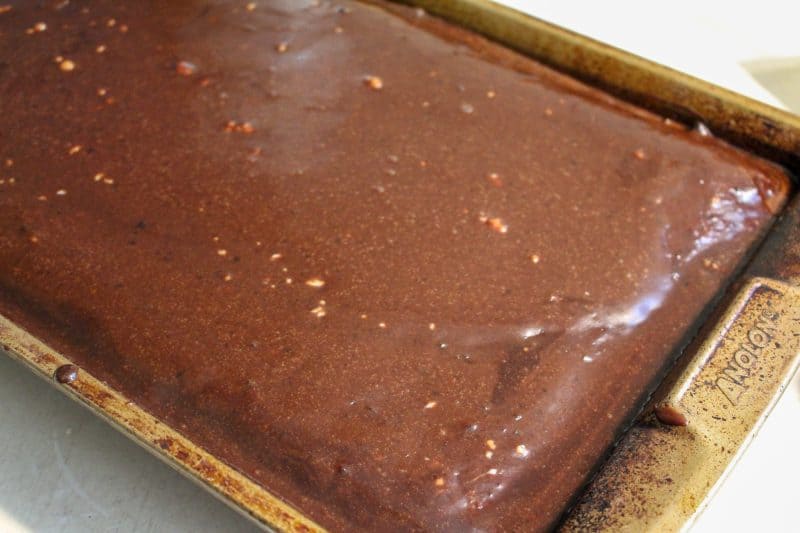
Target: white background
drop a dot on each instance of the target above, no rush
(61, 469)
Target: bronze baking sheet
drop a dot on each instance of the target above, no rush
(762, 129)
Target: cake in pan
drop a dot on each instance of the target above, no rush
(400, 276)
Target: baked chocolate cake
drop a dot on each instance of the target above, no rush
(404, 278)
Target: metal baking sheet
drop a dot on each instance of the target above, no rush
(683, 463)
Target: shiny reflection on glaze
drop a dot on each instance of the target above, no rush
(728, 214)
(624, 318)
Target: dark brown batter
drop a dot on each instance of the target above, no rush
(403, 281)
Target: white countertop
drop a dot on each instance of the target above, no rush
(63, 469)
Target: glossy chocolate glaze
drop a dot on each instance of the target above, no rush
(400, 276)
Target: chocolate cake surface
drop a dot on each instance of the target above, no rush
(400, 276)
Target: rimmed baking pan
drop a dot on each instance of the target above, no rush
(667, 464)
